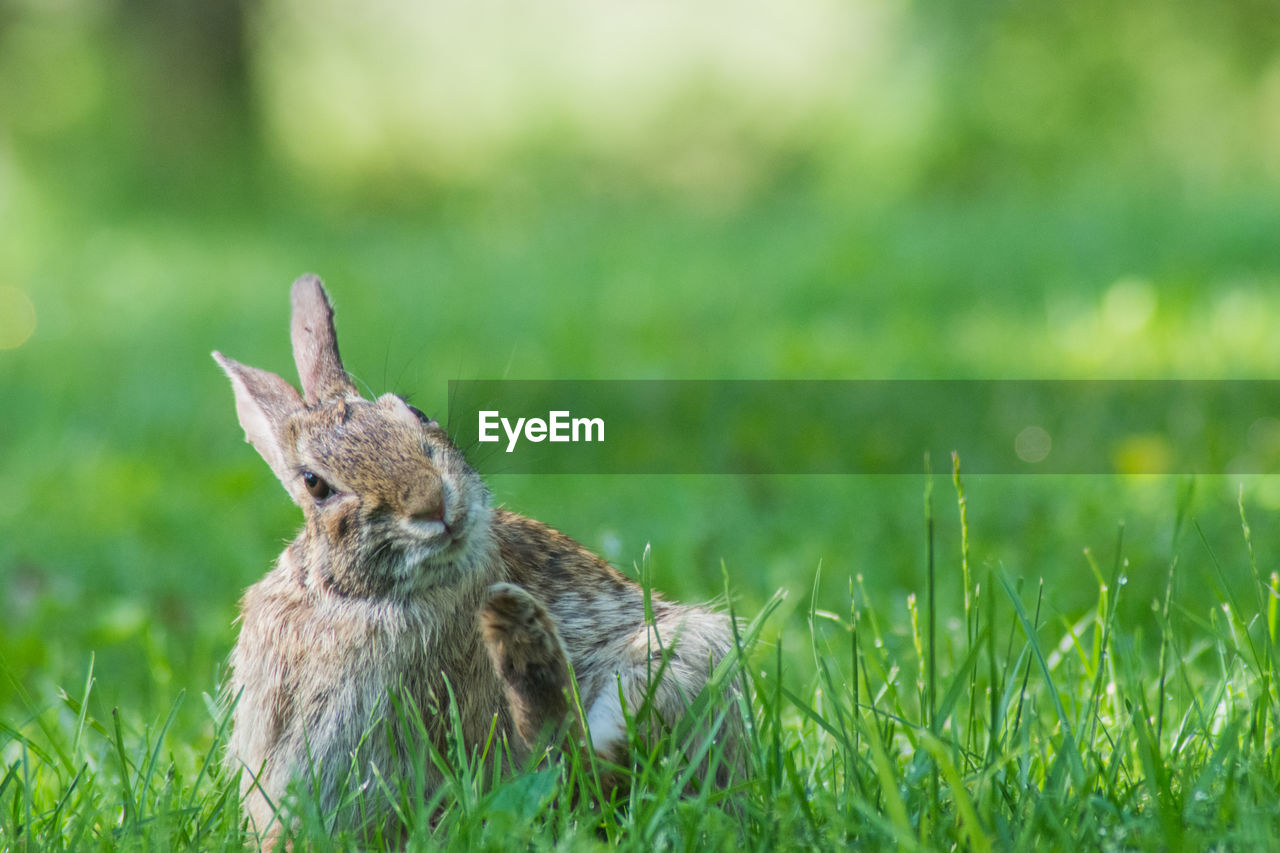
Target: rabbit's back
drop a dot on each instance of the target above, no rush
(600, 616)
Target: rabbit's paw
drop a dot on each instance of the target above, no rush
(526, 653)
(519, 631)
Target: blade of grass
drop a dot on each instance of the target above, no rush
(1069, 748)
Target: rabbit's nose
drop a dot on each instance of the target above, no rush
(427, 505)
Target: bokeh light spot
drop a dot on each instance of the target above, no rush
(1128, 305)
(17, 318)
(1033, 444)
(1142, 454)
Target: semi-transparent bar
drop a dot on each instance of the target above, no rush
(870, 427)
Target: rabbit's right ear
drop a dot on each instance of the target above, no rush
(315, 343)
(264, 402)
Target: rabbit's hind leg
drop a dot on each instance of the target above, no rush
(530, 660)
(658, 677)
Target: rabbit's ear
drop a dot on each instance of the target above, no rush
(315, 344)
(264, 402)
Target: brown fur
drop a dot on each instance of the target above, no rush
(403, 580)
(525, 650)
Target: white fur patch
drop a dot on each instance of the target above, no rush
(605, 720)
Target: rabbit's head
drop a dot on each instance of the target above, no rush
(391, 506)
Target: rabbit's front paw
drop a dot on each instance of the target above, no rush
(518, 631)
(527, 655)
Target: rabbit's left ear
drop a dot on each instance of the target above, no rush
(315, 343)
(264, 402)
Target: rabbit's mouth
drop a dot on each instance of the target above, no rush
(429, 542)
(425, 530)
(436, 533)
(414, 554)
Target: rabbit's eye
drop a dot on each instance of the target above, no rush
(318, 488)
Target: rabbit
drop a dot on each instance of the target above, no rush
(406, 585)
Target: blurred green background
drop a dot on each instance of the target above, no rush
(712, 190)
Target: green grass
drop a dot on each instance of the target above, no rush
(979, 716)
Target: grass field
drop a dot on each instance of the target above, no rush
(988, 662)
(978, 714)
